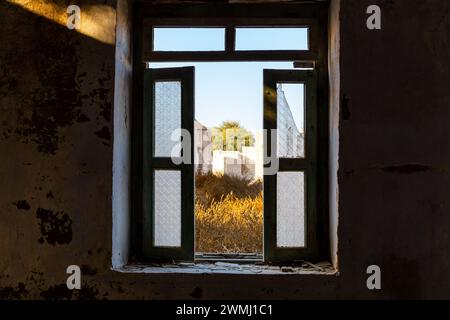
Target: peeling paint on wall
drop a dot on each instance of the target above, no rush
(56, 228)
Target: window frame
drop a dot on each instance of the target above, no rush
(312, 15)
(229, 54)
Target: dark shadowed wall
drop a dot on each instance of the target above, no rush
(56, 125)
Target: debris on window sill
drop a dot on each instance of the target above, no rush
(307, 268)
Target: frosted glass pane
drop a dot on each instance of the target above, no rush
(290, 209)
(189, 39)
(290, 120)
(272, 38)
(167, 117)
(167, 218)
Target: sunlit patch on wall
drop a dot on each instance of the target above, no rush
(97, 21)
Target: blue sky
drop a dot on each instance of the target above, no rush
(231, 90)
(213, 39)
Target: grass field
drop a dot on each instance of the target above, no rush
(228, 214)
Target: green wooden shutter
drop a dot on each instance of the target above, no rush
(293, 173)
(167, 188)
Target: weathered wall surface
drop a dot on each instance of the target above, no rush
(56, 97)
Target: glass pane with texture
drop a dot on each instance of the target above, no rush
(167, 118)
(167, 210)
(290, 210)
(290, 120)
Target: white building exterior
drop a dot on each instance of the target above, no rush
(203, 156)
(248, 163)
(290, 139)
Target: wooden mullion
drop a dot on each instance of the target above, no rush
(259, 55)
(230, 39)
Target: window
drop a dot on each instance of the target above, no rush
(273, 38)
(170, 50)
(188, 39)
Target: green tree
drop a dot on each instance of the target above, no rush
(231, 136)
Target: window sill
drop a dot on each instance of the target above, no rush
(323, 268)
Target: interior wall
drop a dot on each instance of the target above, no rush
(57, 90)
(121, 200)
(335, 97)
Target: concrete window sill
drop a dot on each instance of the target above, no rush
(324, 268)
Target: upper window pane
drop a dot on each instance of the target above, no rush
(188, 39)
(280, 38)
(290, 120)
(167, 118)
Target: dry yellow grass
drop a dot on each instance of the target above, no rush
(231, 223)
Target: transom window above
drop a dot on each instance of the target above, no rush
(273, 38)
(172, 38)
(188, 39)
